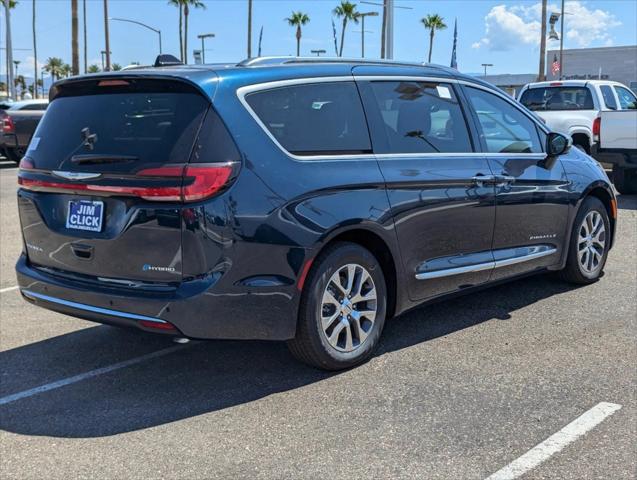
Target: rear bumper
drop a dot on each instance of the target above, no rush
(620, 157)
(196, 308)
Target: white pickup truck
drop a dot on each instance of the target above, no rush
(599, 115)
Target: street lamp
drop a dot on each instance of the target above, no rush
(362, 17)
(387, 34)
(485, 65)
(203, 36)
(318, 52)
(157, 31)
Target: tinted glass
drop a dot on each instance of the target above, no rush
(314, 119)
(504, 128)
(421, 117)
(627, 99)
(34, 107)
(609, 97)
(214, 144)
(558, 98)
(150, 129)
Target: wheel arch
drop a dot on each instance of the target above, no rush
(605, 195)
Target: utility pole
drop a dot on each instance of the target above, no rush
(389, 29)
(562, 43)
(85, 36)
(542, 70)
(35, 57)
(249, 30)
(11, 90)
(106, 38)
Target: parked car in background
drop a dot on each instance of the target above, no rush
(305, 200)
(19, 120)
(579, 108)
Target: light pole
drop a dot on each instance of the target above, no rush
(11, 89)
(107, 55)
(387, 40)
(203, 36)
(157, 31)
(562, 42)
(318, 52)
(362, 17)
(107, 39)
(485, 65)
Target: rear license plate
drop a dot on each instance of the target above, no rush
(85, 215)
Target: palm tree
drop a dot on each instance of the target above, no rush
(297, 19)
(53, 66)
(66, 70)
(187, 5)
(93, 69)
(346, 11)
(180, 4)
(75, 46)
(433, 22)
(116, 67)
(12, 4)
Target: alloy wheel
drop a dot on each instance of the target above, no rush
(348, 308)
(591, 242)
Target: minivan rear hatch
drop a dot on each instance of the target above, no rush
(104, 177)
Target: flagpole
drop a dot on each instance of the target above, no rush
(562, 42)
(454, 61)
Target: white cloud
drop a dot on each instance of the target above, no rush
(26, 66)
(509, 26)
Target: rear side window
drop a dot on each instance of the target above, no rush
(609, 97)
(421, 117)
(35, 107)
(503, 127)
(118, 132)
(627, 99)
(314, 119)
(557, 98)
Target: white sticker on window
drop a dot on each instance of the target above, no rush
(443, 92)
(35, 141)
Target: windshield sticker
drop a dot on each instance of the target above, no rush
(443, 92)
(35, 141)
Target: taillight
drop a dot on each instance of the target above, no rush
(7, 125)
(192, 183)
(597, 126)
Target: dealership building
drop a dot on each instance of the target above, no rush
(606, 63)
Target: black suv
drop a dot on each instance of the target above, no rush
(296, 199)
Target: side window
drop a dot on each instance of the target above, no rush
(627, 99)
(314, 119)
(504, 128)
(421, 117)
(609, 97)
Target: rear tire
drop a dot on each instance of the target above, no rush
(589, 243)
(625, 180)
(343, 308)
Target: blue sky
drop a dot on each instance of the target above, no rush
(505, 33)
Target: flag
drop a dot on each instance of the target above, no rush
(555, 66)
(260, 40)
(335, 42)
(454, 62)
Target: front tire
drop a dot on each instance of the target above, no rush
(343, 308)
(589, 243)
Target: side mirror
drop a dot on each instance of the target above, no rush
(557, 144)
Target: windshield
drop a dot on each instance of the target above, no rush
(117, 132)
(558, 98)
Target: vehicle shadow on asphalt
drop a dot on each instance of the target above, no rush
(627, 202)
(203, 377)
(7, 164)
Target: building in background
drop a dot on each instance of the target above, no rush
(511, 83)
(618, 64)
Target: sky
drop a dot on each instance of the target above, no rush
(504, 33)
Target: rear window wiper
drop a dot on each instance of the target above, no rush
(95, 159)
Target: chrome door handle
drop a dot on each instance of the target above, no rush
(481, 180)
(504, 179)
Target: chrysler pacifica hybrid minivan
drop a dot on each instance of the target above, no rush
(295, 199)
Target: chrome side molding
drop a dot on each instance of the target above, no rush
(530, 253)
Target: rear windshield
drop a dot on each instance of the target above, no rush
(118, 131)
(558, 98)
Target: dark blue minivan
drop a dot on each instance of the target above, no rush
(304, 200)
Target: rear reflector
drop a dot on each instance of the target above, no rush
(195, 183)
(157, 325)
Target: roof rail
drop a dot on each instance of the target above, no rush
(267, 61)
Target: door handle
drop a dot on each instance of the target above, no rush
(504, 179)
(481, 180)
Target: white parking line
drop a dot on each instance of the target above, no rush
(90, 374)
(556, 442)
(8, 289)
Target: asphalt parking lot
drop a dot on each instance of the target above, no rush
(459, 389)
